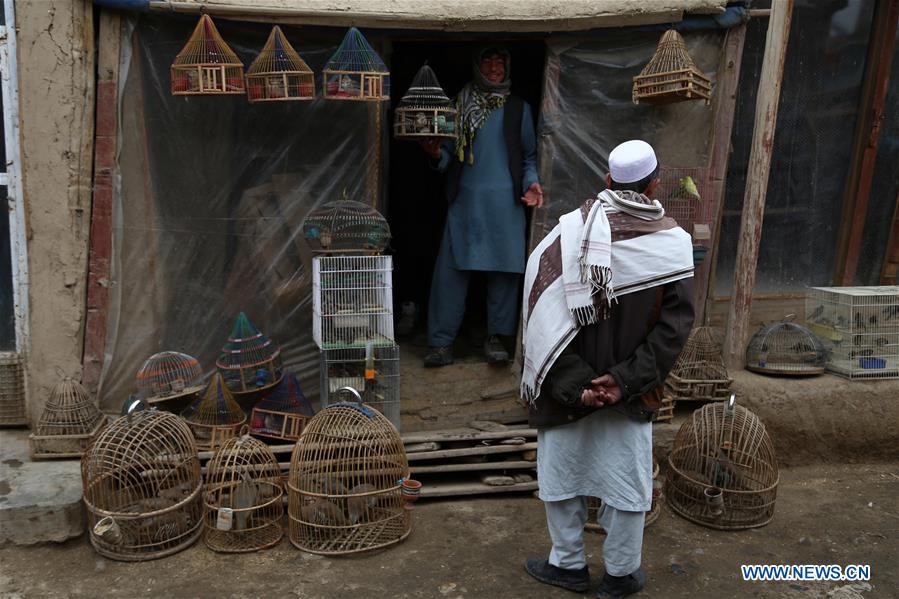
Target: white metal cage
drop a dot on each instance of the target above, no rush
(352, 301)
(861, 327)
(374, 372)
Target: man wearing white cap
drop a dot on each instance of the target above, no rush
(607, 309)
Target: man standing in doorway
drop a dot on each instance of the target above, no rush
(491, 175)
(607, 309)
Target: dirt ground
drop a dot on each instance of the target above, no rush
(830, 514)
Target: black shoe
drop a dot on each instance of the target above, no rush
(616, 587)
(439, 356)
(573, 580)
(494, 350)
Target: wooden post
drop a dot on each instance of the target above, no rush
(757, 180)
(891, 257)
(864, 147)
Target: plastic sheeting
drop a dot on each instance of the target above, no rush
(212, 194)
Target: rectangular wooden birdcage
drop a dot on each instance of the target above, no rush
(860, 327)
(352, 301)
(12, 390)
(377, 379)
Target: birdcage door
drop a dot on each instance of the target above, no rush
(213, 78)
(372, 86)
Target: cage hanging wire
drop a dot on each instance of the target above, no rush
(206, 65)
(282, 412)
(141, 478)
(785, 348)
(279, 73)
(249, 361)
(169, 375)
(68, 423)
(215, 416)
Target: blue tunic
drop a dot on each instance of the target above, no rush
(485, 223)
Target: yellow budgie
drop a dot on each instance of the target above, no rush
(687, 187)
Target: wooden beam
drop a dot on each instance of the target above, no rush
(722, 127)
(757, 180)
(867, 133)
(891, 258)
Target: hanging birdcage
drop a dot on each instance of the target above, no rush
(722, 471)
(206, 65)
(785, 348)
(425, 110)
(242, 497)
(282, 412)
(141, 479)
(356, 72)
(594, 505)
(671, 75)
(69, 422)
(346, 226)
(699, 374)
(250, 362)
(12, 390)
(169, 375)
(345, 486)
(278, 73)
(215, 416)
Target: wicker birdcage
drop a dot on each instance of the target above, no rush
(250, 362)
(242, 497)
(278, 73)
(169, 375)
(594, 505)
(215, 416)
(346, 226)
(12, 390)
(671, 75)
(69, 422)
(282, 412)
(356, 72)
(142, 484)
(699, 374)
(722, 471)
(425, 110)
(345, 483)
(206, 66)
(785, 348)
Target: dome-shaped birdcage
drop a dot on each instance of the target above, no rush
(282, 412)
(206, 65)
(250, 362)
(215, 416)
(242, 498)
(68, 423)
(425, 110)
(671, 75)
(346, 226)
(699, 372)
(722, 471)
(785, 348)
(141, 479)
(169, 375)
(356, 72)
(278, 73)
(345, 483)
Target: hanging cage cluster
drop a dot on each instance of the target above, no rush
(242, 497)
(206, 65)
(278, 73)
(169, 375)
(722, 471)
(282, 412)
(345, 483)
(249, 361)
(215, 416)
(346, 226)
(141, 479)
(12, 390)
(425, 110)
(356, 72)
(785, 348)
(671, 75)
(699, 372)
(69, 422)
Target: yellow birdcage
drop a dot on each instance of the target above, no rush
(278, 73)
(206, 65)
(214, 417)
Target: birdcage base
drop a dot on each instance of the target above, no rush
(48, 447)
(144, 555)
(388, 528)
(273, 424)
(417, 123)
(210, 438)
(175, 396)
(712, 389)
(244, 541)
(674, 86)
(865, 368)
(798, 370)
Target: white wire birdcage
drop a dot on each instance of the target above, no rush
(861, 327)
(373, 371)
(352, 301)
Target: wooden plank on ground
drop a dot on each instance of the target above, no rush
(449, 436)
(471, 451)
(472, 488)
(474, 467)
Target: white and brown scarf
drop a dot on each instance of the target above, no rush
(618, 243)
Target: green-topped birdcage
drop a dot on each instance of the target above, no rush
(206, 65)
(282, 412)
(278, 73)
(215, 416)
(356, 72)
(425, 110)
(250, 362)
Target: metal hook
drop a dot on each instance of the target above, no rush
(134, 404)
(351, 391)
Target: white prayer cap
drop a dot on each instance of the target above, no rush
(631, 161)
